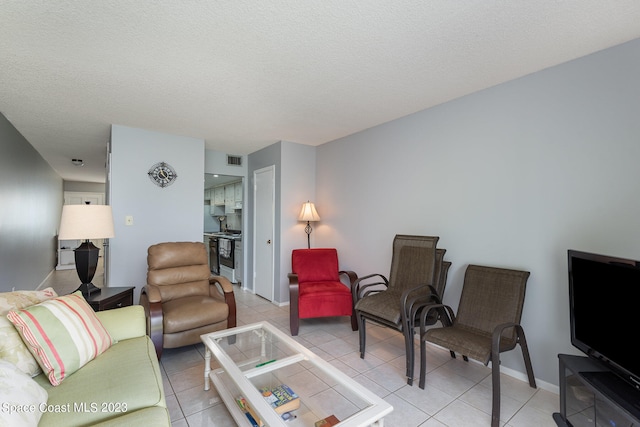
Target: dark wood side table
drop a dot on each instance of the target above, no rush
(109, 298)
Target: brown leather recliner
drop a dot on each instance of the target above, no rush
(182, 300)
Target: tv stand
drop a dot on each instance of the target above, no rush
(592, 395)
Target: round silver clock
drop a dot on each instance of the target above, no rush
(162, 174)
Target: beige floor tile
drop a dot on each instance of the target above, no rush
(457, 393)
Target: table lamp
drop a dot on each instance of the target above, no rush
(84, 222)
(308, 213)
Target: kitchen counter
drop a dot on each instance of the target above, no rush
(230, 236)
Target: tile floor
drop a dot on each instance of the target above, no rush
(457, 394)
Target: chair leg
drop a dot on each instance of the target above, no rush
(423, 362)
(409, 350)
(354, 321)
(362, 334)
(525, 354)
(294, 324)
(495, 387)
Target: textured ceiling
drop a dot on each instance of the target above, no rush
(244, 74)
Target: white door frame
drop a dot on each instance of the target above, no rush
(263, 233)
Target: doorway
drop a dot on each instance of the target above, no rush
(223, 222)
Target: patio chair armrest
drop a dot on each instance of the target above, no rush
(350, 274)
(497, 335)
(407, 303)
(446, 314)
(358, 288)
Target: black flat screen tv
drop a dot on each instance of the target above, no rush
(604, 296)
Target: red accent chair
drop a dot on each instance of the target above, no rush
(315, 289)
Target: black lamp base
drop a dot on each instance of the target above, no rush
(88, 289)
(86, 256)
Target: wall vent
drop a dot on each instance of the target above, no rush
(234, 160)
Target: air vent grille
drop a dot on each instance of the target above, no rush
(234, 160)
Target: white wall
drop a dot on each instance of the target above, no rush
(297, 186)
(294, 184)
(173, 213)
(512, 176)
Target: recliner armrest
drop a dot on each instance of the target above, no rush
(154, 316)
(229, 297)
(152, 292)
(224, 283)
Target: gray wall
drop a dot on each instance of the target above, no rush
(294, 185)
(512, 176)
(173, 213)
(30, 207)
(268, 156)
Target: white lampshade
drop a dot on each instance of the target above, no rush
(86, 222)
(308, 213)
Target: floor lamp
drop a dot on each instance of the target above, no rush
(84, 222)
(308, 213)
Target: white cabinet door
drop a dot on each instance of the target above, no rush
(229, 194)
(218, 196)
(238, 191)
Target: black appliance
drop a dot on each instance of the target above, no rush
(226, 252)
(214, 261)
(604, 292)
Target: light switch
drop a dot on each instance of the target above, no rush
(128, 220)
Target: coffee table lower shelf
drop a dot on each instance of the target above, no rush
(258, 356)
(228, 399)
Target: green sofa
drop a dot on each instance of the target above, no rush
(122, 386)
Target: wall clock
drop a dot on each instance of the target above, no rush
(162, 174)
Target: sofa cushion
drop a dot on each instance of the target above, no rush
(124, 379)
(62, 333)
(20, 397)
(12, 348)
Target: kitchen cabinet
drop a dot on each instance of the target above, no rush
(238, 191)
(229, 194)
(218, 196)
(216, 210)
(238, 195)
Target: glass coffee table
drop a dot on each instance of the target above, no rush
(256, 360)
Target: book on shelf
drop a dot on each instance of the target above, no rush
(329, 421)
(281, 398)
(249, 412)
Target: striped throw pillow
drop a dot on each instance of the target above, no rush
(63, 334)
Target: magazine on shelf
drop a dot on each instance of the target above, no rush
(281, 398)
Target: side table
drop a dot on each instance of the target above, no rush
(110, 297)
